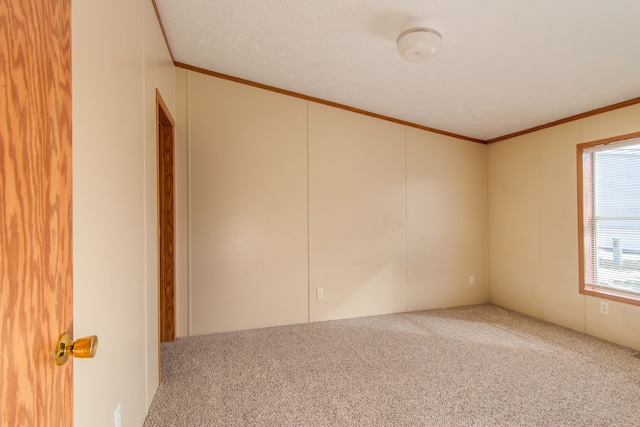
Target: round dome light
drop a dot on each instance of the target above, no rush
(419, 44)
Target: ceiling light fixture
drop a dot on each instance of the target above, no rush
(419, 44)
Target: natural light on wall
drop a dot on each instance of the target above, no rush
(609, 217)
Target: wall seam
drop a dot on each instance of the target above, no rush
(540, 215)
(406, 223)
(308, 228)
(584, 297)
(486, 223)
(187, 135)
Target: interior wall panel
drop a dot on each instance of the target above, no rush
(533, 226)
(248, 206)
(110, 204)
(561, 302)
(514, 231)
(182, 203)
(357, 216)
(446, 221)
(159, 75)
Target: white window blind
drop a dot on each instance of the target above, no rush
(611, 217)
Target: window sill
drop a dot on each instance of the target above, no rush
(611, 294)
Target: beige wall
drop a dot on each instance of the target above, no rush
(248, 206)
(395, 221)
(357, 215)
(383, 217)
(182, 204)
(159, 75)
(533, 226)
(446, 221)
(119, 58)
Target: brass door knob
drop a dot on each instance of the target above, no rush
(82, 347)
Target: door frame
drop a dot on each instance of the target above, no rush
(166, 244)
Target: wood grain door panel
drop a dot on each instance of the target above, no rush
(35, 213)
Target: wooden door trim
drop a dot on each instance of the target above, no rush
(163, 113)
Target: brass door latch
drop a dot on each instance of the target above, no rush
(82, 348)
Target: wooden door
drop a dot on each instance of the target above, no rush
(35, 211)
(166, 222)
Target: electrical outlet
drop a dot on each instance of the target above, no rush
(472, 280)
(319, 293)
(117, 416)
(604, 307)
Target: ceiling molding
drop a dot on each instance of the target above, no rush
(402, 122)
(568, 119)
(164, 34)
(379, 116)
(323, 101)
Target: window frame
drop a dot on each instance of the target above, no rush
(585, 288)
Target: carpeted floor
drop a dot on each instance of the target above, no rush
(469, 366)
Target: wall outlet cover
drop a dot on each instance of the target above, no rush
(117, 416)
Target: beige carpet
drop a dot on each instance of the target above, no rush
(469, 366)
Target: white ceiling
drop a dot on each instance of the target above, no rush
(505, 65)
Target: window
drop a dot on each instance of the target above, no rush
(609, 218)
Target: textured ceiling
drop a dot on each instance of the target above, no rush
(505, 65)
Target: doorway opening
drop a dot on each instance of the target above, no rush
(166, 222)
